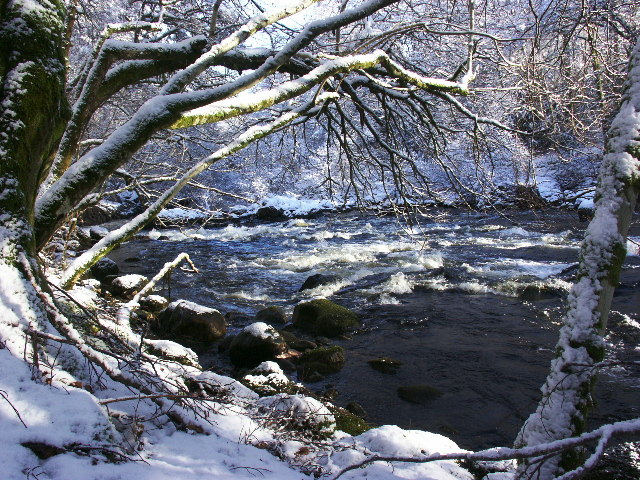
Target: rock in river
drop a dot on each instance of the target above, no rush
(255, 344)
(317, 280)
(127, 286)
(272, 314)
(418, 393)
(183, 319)
(322, 361)
(385, 365)
(323, 317)
(271, 214)
(104, 268)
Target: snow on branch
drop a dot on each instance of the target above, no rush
(82, 263)
(603, 437)
(255, 24)
(167, 268)
(253, 102)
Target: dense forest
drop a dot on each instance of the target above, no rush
(247, 114)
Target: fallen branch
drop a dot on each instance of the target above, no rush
(168, 267)
(603, 435)
(5, 395)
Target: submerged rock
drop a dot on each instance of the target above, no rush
(418, 394)
(385, 365)
(272, 314)
(183, 319)
(317, 280)
(540, 291)
(321, 361)
(255, 344)
(323, 317)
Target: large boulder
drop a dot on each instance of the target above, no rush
(255, 344)
(188, 320)
(323, 317)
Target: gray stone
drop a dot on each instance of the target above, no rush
(188, 320)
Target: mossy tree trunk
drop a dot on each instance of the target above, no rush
(566, 399)
(33, 111)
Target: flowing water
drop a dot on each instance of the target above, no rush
(445, 296)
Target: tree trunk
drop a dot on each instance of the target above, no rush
(33, 106)
(566, 394)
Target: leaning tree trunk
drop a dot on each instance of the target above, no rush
(32, 111)
(566, 393)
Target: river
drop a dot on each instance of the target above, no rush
(447, 296)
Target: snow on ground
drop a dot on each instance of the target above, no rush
(241, 432)
(292, 204)
(181, 215)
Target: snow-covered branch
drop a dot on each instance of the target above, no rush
(82, 263)
(253, 102)
(604, 436)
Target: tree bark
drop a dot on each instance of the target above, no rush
(33, 108)
(566, 394)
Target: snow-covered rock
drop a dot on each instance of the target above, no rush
(127, 286)
(255, 344)
(184, 319)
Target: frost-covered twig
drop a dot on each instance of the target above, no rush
(170, 396)
(4, 395)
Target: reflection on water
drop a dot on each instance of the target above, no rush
(445, 298)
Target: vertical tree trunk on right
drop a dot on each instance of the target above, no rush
(566, 394)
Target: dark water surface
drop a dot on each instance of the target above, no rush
(445, 298)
